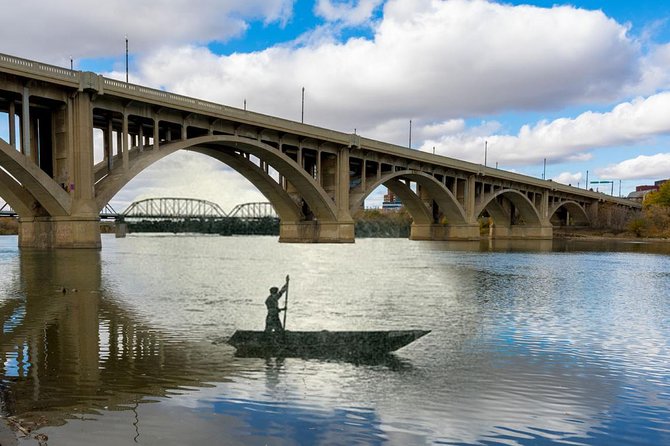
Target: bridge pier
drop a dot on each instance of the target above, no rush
(316, 232)
(444, 232)
(522, 232)
(59, 232)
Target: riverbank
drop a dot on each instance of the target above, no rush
(601, 234)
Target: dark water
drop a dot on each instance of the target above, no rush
(534, 343)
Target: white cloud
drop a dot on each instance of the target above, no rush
(54, 31)
(347, 11)
(214, 182)
(654, 166)
(655, 67)
(430, 61)
(564, 139)
(569, 178)
(434, 62)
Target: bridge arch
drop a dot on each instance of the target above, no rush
(439, 193)
(577, 214)
(30, 191)
(501, 216)
(228, 149)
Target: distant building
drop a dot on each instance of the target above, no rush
(391, 202)
(642, 191)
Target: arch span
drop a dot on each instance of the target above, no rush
(577, 213)
(29, 187)
(17, 197)
(439, 193)
(527, 210)
(225, 148)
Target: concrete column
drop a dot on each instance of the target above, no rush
(124, 142)
(119, 144)
(109, 143)
(343, 179)
(80, 226)
(140, 137)
(12, 124)
(363, 176)
(544, 206)
(156, 134)
(318, 167)
(82, 141)
(470, 198)
(25, 123)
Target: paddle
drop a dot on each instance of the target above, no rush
(286, 303)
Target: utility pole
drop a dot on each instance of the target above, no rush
(410, 133)
(302, 112)
(486, 152)
(544, 170)
(586, 185)
(126, 58)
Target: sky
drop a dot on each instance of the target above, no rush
(584, 85)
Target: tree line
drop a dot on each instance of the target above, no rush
(654, 220)
(368, 223)
(223, 226)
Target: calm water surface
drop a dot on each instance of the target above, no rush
(531, 344)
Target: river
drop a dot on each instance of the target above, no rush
(531, 343)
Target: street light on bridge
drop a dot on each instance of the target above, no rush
(605, 182)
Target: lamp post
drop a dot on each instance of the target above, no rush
(611, 182)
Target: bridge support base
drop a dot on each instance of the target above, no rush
(316, 232)
(523, 232)
(442, 232)
(59, 232)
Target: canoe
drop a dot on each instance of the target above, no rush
(322, 343)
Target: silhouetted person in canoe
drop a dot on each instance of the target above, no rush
(272, 322)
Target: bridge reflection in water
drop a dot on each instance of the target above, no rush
(69, 348)
(72, 352)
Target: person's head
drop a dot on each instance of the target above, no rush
(274, 289)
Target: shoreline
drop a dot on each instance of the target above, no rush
(607, 236)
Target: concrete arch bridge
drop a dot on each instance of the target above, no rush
(315, 178)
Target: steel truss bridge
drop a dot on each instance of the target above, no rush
(192, 208)
(6, 210)
(176, 209)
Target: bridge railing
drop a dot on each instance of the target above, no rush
(39, 67)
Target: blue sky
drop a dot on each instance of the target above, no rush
(584, 85)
